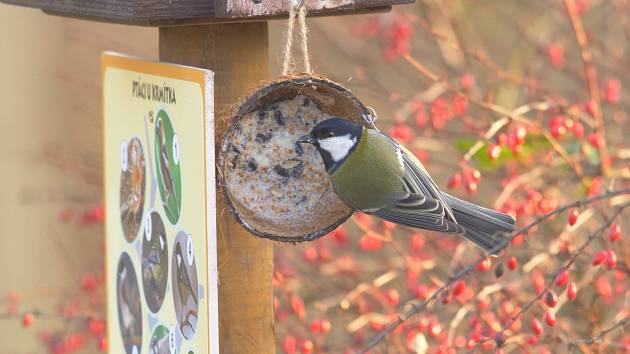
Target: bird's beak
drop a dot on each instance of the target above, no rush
(308, 139)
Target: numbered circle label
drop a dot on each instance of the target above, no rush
(171, 339)
(148, 225)
(189, 250)
(124, 156)
(176, 149)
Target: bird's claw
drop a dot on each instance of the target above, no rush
(370, 118)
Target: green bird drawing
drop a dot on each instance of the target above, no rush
(165, 165)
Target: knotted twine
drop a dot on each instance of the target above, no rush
(296, 9)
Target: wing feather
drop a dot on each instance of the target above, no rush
(425, 206)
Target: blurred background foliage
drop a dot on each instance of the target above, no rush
(439, 74)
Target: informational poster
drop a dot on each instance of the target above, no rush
(161, 255)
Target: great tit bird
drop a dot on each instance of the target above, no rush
(372, 173)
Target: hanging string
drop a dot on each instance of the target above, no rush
(288, 40)
(304, 39)
(296, 6)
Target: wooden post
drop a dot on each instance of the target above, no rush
(238, 54)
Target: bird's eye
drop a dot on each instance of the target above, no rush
(325, 133)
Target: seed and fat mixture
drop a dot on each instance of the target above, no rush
(277, 180)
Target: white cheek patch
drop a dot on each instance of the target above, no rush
(338, 146)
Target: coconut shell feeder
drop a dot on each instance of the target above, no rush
(278, 189)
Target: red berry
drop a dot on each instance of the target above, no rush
(551, 299)
(417, 241)
(571, 291)
(467, 81)
(316, 326)
(326, 326)
(483, 303)
(455, 180)
(393, 297)
(424, 323)
(289, 344)
(512, 263)
(538, 280)
(14, 297)
(435, 330)
(389, 225)
(494, 151)
(376, 326)
(550, 318)
(532, 340)
(603, 287)
(307, 346)
(611, 259)
(421, 119)
(599, 258)
(310, 254)
(297, 305)
(562, 278)
(340, 235)
(578, 130)
(460, 105)
(558, 131)
(536, 327)
(502, 139)
(88, 281)
(402, 133)
(573, 216)
(421, 292)
(589, 107)
(555, 52)
(612, 91)
(615, 232)
(368, 243)
(475, 175)
(96, 327)
(459, 287)
(471, 188)
(484, 265)
(520, 132)
(325, 254)
(102, 344)
(27, 319)
(595, 140)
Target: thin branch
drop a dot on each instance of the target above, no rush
(590, 72)
(567, 265)
(603, 333)
(417, 307)
(43, 315)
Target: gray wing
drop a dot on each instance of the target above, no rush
(425, 206)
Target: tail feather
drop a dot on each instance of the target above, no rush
(485, 227)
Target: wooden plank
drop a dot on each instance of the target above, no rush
(124, 11)
(262, 8)
(238, 55)
(179, 12)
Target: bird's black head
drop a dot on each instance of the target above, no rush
(335, 139)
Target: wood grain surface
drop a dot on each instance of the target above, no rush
(177, 12)
(238, 54)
